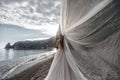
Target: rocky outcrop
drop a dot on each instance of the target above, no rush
(8, 46)
(38, 44)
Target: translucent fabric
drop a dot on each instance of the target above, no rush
(91, 30)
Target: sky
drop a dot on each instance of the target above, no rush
(32, 14)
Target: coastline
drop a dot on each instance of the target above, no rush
(27, 68)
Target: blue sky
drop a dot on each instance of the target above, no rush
(33, 14)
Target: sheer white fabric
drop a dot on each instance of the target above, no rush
(64, 67)
(91, 30)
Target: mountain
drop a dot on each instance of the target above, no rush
(37, 44)
(12, 33)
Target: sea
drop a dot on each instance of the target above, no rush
(14, 33)
(14, 54)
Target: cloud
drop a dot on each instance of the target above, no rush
(30, 12)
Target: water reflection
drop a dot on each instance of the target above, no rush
(11, 54)
(6, 54)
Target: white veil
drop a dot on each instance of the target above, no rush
(91, 30)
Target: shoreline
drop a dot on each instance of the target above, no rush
(36, 72)
(28, 68)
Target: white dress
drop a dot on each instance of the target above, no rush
(60, 70)
(64, 66)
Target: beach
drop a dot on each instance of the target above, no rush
(34, 67)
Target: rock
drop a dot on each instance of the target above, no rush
(39, 44)
(8, 46)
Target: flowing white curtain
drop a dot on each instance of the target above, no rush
(91, 30)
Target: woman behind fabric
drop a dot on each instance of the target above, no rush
(60, 69)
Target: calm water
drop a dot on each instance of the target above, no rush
(12, 54)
